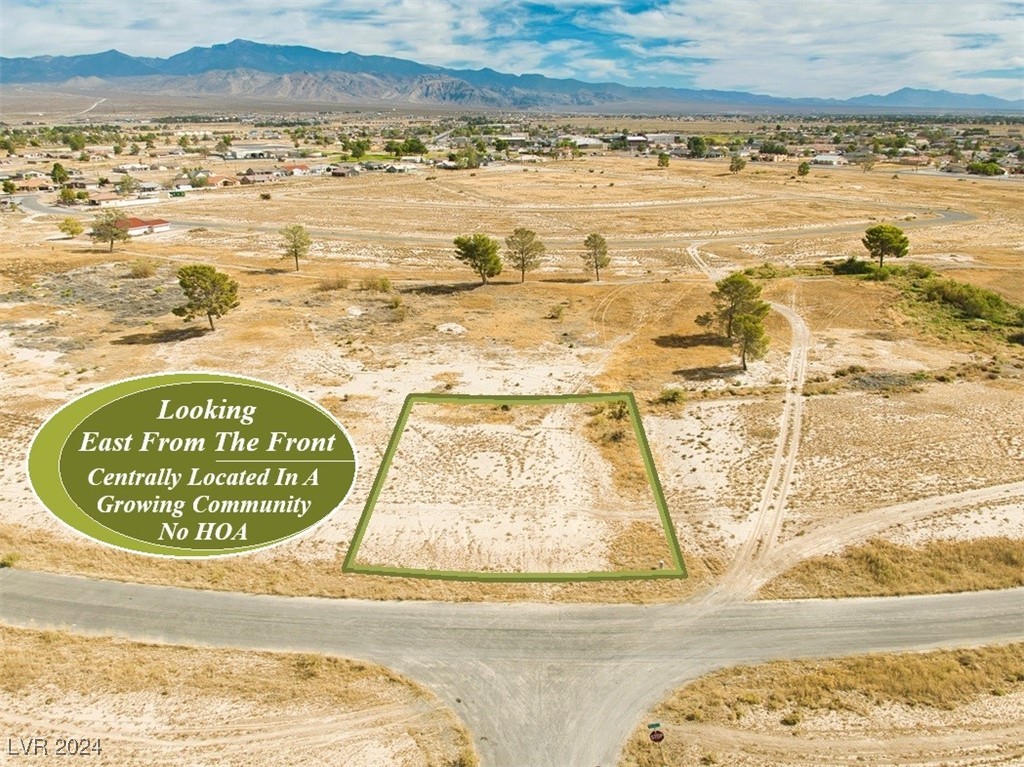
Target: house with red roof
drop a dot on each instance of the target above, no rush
(138, 226)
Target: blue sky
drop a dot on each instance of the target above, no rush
(782, 48)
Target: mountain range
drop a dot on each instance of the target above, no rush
(244, 69)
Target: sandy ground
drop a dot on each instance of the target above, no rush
(755, 466)
(758, 477)
(528, 494)
(210, 709)
(985, 732)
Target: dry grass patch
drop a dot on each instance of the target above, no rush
(639, 546)
(291, 575)
(871, 709)
(943, 679)
(882, 568)
(163, 705)
(610, 428)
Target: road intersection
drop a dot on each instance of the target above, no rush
(538, 685)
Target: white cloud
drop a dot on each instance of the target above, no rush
(812, 48)
(785, 48)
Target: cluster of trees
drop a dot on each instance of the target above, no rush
(207, 292)
(739, 315)
(987, 168)
(411, 145)
(523, 251)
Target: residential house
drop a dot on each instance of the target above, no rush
(33, 184)
(221, 181)
(137, 226)
(81, 183)
(257, 178)
(829, 159)
(103, 198)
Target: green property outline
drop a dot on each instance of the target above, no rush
(677, 571)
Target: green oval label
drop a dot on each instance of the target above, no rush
(191, 464)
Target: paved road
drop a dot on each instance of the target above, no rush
(538, 685)
(926, 217)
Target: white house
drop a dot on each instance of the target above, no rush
(137, 226)
(829, 159)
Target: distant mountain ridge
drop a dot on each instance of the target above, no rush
(247, 69)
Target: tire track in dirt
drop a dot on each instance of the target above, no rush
(848, 749)
(735, 583)
(850, 530)
(299, 730)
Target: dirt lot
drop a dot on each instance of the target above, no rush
(150, 704)
(749, 465)
(527, 473)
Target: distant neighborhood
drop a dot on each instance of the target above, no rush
(112, 165)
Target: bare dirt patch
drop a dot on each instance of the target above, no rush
(527, 488)
(71, 320)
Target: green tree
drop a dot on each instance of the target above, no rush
(76, 142)
(988, 168)
(773, 147)
(663, 160)
(296, 242)
(595, 253)
(126, 185)
(208, 292)
(67, 196)
(753, 342)
(59, 174)
(803, 169)
(480, 252)
(735, 296)
(9, 186)
(523, 250)
(109, 227)
(866, 164)
(414, 145)
(133, 149)
(885, 240)
(736, 164)
(71, 226)
(468, 157)
(697, 145)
